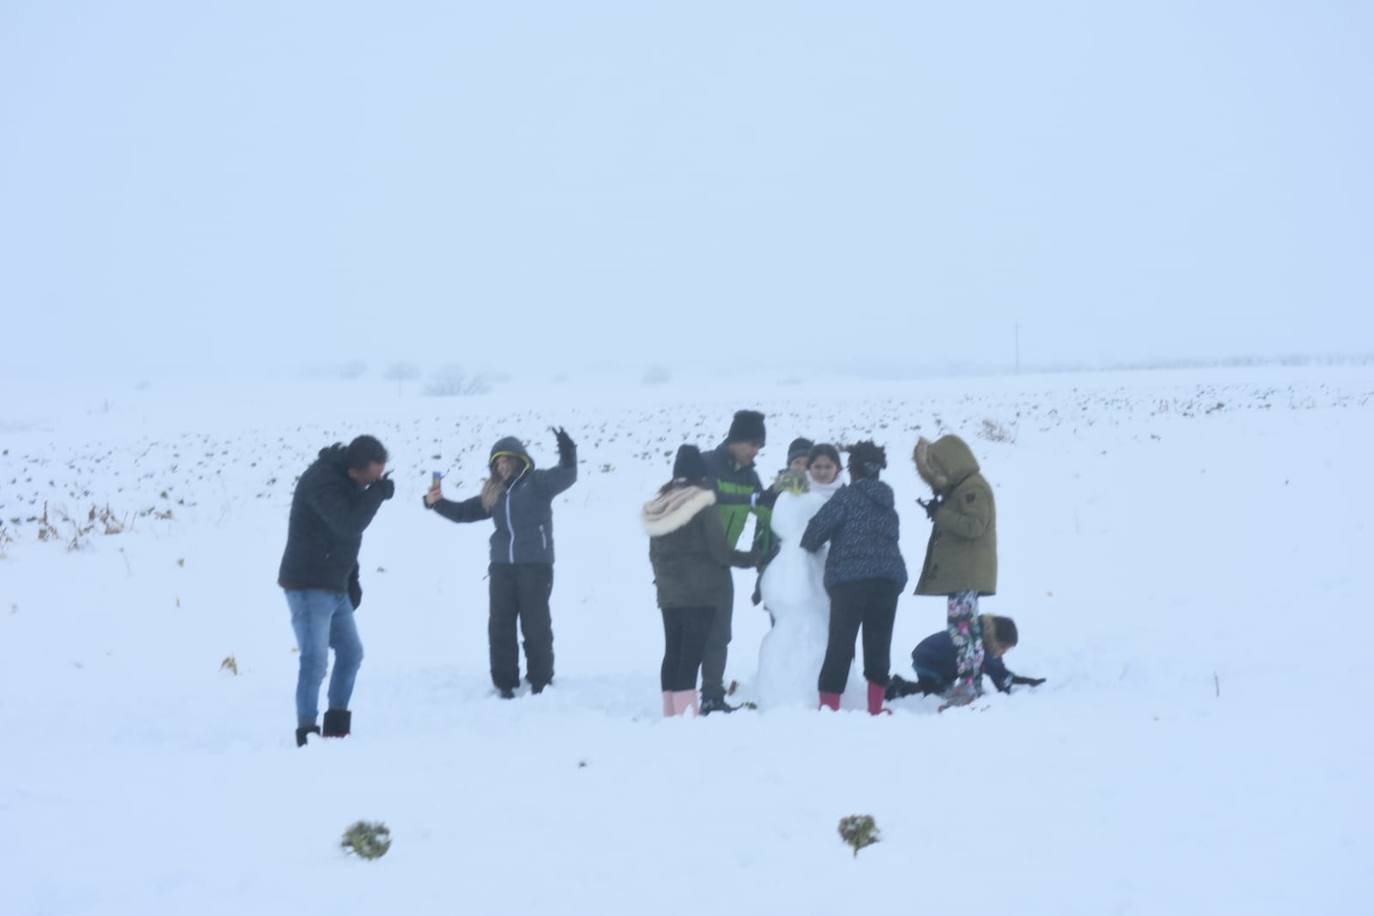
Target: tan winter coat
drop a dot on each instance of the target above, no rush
(962, 554)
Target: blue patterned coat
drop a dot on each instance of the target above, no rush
(862, 527)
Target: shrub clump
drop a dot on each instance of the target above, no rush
(859, 830)
(367, 839)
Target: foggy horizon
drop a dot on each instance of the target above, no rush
(787, 187)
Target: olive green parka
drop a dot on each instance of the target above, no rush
(962, 553)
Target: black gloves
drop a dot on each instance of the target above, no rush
(1027, 681)
(768, 498)
(385, 487)
(932, 506)
(355, 589)
(567, 449)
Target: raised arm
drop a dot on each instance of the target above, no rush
(557, 479)
(345, 510)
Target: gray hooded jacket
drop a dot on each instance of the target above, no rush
(523, 512)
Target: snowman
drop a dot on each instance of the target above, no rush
(793, 590)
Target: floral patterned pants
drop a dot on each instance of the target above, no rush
(965, 628)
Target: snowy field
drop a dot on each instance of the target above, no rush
(1185, 554)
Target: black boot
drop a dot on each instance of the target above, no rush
(303, 731)
(898, 687)
(709, 706)
(337, 723)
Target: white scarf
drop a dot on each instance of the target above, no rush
(826, 490)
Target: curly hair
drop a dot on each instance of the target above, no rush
(866, 459)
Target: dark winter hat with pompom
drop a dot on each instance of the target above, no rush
(866, 459)
(747, 427)
(689, 465)
(800, 448)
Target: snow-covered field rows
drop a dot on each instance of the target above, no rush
(1187, 555)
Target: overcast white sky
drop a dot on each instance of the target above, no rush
(269, 184)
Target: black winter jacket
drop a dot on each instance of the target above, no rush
(328, 515)
(688, 550)
(934, 659)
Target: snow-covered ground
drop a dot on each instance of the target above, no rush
(1186, 554)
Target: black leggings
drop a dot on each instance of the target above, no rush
(872, 605)
(684, 639)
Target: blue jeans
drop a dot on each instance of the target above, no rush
(323, 621)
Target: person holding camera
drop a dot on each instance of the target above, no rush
(518, 498)
(961, 557)
(334, 502)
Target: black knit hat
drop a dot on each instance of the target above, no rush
(828, 450)
(866, 459)
(800, 448)
(689, 465)
(747, 427)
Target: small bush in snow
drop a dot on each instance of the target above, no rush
(367, 839)
(230, 664)
(47, 531)
(996, 432)
(402, 372)
(859, 830)
(113, 523)
(454, 382)
(352, 370)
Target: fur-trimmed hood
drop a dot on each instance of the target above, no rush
(944, 463)
(670, 511)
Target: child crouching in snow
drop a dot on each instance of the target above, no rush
(937, 665)
(961, 558)
(691, 560)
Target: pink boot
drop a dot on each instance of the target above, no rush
(829, 701)
(685, 700)
(667, 702)
(876, 694)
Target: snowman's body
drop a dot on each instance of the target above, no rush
(793, 590)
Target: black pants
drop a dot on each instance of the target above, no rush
(718, 646)
(684, 640)
(872, 605)
(520, 592)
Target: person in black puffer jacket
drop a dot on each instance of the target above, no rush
(864, 574)
(334, 502)
(518, 498)
(691, 559)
